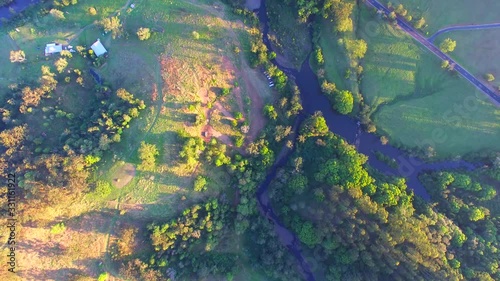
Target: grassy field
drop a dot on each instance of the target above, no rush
(390, 64)
(414, 100)
(476, 50)
(440, 14)
(336, 62)
(178, 76)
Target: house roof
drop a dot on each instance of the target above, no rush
(98, 48)
(53, 48)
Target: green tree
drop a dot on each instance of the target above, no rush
(489, 77)
(314, 126)
(61, 64)
(343, 102)
(17, 56)
(112, 24)
(298, 183)
(143, 33)
(445, 64)
(57, 14)
(92, 11)
(58, 228)
(356, 49)
(319, 56)
(328, 88)
(448, 45)
(476, 214)
(200, 184)
(147, 154)
(270, 112)
(307, 235)
(419, 23)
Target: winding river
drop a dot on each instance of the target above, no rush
(313, 100)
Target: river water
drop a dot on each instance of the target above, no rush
(313, 100)
(17, 6)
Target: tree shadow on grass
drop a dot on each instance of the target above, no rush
(50, 249)
(51, 274)
(94, 221)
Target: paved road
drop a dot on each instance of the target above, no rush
(431, 47)
(464, 27)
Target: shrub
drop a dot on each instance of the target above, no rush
(489, 77)
(143, 33)
(102, 189)
(200, 184)
(344, 102)
(103, 276)
(58, 228)
(92, 11)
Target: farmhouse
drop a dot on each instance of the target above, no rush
(98, 48)
(53, 48)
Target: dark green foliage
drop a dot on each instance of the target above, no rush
(189, 243)
(343, 102)
(200, 184)
(314, 126)
(270, 112)
(147, 154)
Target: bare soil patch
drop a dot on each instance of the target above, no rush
(123, 175)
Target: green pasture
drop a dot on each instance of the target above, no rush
(336, 62)
(135, 66)
(476, 51)
(441, 14)
(410, 95)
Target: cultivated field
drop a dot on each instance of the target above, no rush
(440, 14)
(179, 72)
(411, 95)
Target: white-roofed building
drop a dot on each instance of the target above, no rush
(53, 48)
(98, 48)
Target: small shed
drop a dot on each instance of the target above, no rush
(53, 48)
(98, 48)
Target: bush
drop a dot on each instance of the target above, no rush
(489, 77)
(92, 11)
(147, 154)
(343, 102)
(103, 276)
(200, 184)
(58, 228)
(238, 115)
(102, 189)
(143, 33)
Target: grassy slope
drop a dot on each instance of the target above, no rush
(410, 94)
(390, 62)
(134, 65)
(336, 62)
(440, 14)
(476, 50)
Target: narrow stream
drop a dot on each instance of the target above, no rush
(313, 100)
